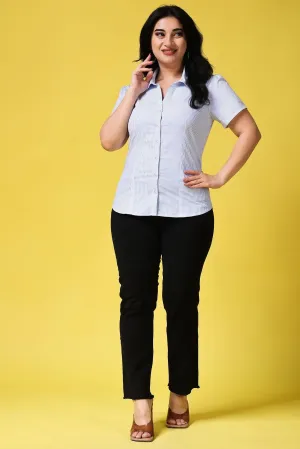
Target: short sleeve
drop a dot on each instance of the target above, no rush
(225, 104)
(122, 93)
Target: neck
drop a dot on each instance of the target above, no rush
(168, 73)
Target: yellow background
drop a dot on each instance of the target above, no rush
(63, 64)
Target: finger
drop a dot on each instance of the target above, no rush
(143, 69)
(142, 73)
(192, 171)
(192, 183)
(199, 185)
(198, 180)
(149, 76)
(192, 178)
(147, 61)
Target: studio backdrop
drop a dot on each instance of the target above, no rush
(63, 64)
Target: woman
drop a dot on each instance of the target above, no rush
(162, 207)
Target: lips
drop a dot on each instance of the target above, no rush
(169, 52)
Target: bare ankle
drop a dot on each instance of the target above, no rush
(142, 401)
(142, 404)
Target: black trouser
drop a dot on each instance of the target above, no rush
(139, 243)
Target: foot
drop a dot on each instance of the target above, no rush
(178, 404)
(142, 415)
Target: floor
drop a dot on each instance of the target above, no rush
(54, 422)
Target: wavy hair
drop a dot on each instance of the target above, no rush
(197, 67)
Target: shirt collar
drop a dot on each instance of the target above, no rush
(181, 80)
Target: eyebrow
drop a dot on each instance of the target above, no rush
(175, 29)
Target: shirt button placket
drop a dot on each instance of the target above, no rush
(158, 149)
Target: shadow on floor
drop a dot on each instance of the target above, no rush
(236, 409)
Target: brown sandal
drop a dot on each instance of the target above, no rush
(172, 415)
(149, 428)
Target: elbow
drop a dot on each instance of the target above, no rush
(258, 136)
(110, 141)
(103, 141)
(258, 133)
(109, 146)
(255, 134)
(106, 144)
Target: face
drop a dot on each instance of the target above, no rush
(168, 42)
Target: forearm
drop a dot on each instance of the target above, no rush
(114, 131)
(241, 152)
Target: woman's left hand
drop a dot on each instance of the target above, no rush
(198, 179)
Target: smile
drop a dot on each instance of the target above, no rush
(169, 52)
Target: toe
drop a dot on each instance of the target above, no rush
(146, 435)
(180, 422)
(171, 421)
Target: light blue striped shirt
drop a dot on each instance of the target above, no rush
(166, 137)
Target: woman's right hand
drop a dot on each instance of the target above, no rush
(138, 84)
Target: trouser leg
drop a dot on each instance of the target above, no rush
(185, 245)
(137, 248)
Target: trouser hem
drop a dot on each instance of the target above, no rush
(143, 396)
(182, 391)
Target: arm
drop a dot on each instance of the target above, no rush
(114, 131)
(245, 128)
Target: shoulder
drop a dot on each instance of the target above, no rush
(124, 88)
(214, 81)
(122, 92)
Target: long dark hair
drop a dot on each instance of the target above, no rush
(197, 67)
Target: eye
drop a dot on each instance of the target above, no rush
(160, 33)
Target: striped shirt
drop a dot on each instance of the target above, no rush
(166, 137)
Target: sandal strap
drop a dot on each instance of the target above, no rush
(149, 427)
(172, 415)
(142, 427)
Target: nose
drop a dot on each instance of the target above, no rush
(168, 41)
